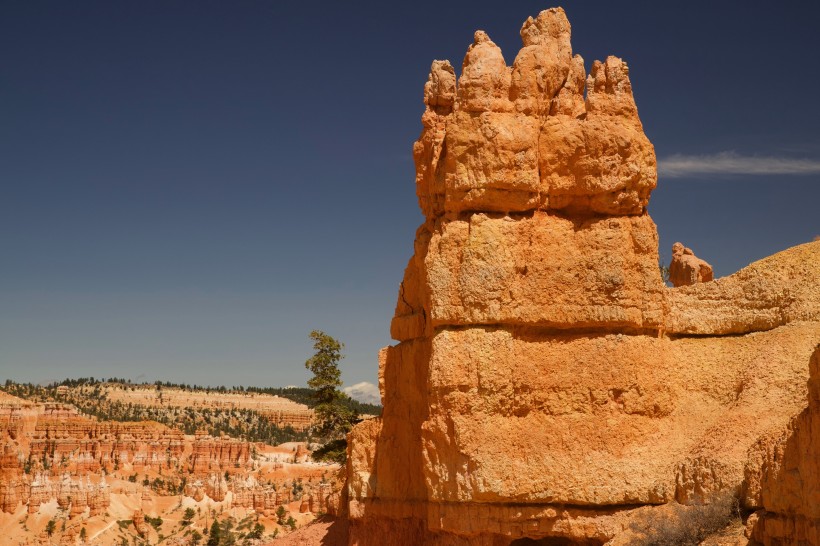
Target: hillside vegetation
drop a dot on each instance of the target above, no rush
(269, 415)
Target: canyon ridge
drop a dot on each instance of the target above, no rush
(69, 477)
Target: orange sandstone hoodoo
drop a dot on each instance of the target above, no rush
(547, 385)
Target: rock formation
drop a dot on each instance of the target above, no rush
(783, 476)
(279, 411)
(49, 451)
(264, 499)
(216, 487)
(686, 268)
(63, 440)
(546, 383)
(139, 523)
(209, 454)
(62, 472)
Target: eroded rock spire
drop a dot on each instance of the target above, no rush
(522, 137)
(546, 383)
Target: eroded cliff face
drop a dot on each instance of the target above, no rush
(783, 476)
(546, 383)
(50, 451)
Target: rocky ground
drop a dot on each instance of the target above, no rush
(324, 531)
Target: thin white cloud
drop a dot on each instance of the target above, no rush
(730, 163)
(365, 392)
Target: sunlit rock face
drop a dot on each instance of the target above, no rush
(546, 384)
(686, 268)
(783, 476)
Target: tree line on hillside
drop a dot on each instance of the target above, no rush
(235, 422)
(301, 395)
(307, 396)
(335, 412)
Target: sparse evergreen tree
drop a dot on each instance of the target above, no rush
(188, 516)
(334, 420)
(257, 532)
(214, 535)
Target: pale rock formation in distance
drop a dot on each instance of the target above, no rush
(546, 383)
(63, 448)
(686, 268)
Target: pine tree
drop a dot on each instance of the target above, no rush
(333, 419)
(213, 536)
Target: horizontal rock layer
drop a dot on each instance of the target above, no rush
(547, 271)
(527, 417)
(782, 288)
(547, 383)
(41, 444)
(540, 270)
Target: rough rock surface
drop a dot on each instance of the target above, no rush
(686, 268)
(539, 270)
(772, 292)
(139, 523)
(265, 499)
(547, 385)
(523, 138)
(783, 476)
(210, 454)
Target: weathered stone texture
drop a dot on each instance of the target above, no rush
(783, 476)
(546, 384)
(686, 268)
(523, 138)
(541, 270)
(774, 291)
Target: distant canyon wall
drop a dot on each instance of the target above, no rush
(50, 451)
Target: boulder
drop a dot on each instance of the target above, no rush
(686, 268)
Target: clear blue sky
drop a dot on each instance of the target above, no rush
(188, 188)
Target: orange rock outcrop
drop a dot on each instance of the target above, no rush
(209, 454)
(75, 442)
(546, 382)
(686, 268)
(139, 523)
(265, 499)
(783, 476)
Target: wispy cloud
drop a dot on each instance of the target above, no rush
(730, 163)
